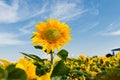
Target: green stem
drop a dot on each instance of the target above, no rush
(52, 57)
(84, 77)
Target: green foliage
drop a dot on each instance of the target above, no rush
(60, 69)
(33, 36)
(110, 74)
(40, 47)
(16, 73)
(60, 78)
(63, 54)
(32, 56)
(12, 73)
(3, 74)
(41, 69)
(56, 78)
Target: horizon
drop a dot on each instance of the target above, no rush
(95, 25)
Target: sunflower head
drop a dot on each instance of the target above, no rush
(51, 34)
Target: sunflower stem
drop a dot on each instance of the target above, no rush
(52, 57)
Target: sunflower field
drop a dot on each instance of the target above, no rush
(50, 37)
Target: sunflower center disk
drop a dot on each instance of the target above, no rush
(52, 34)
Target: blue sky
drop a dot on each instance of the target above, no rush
(95, 25)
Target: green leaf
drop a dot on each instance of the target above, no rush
(63, 54)
(38, 47)
(77, 73)
(60, 78)
(3, 74)
(60, 69)
(41, 69)
(33, 36)
(56, 78)
(16, 73)
(32, 56)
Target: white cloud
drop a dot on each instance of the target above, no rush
(19, 10)
(94, 8)
(114, 33)
(27, 29)
(25, 9)
(89, 26)
(66, 11)
(113, 29)
(8, 13)
(41, 11)
(10, 39)
(95, 12)
(30, 11)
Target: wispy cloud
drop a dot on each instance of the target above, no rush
(114, 33)
(19, 10)
(89, 26)
(94, 10)
(32, 9)
(66, 11)
(8, 13)
(26, 9)
(113, 29)
(27, 29)
(10, 39)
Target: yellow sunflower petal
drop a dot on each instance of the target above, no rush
(51, 34)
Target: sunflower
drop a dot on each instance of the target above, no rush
(51, 34)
